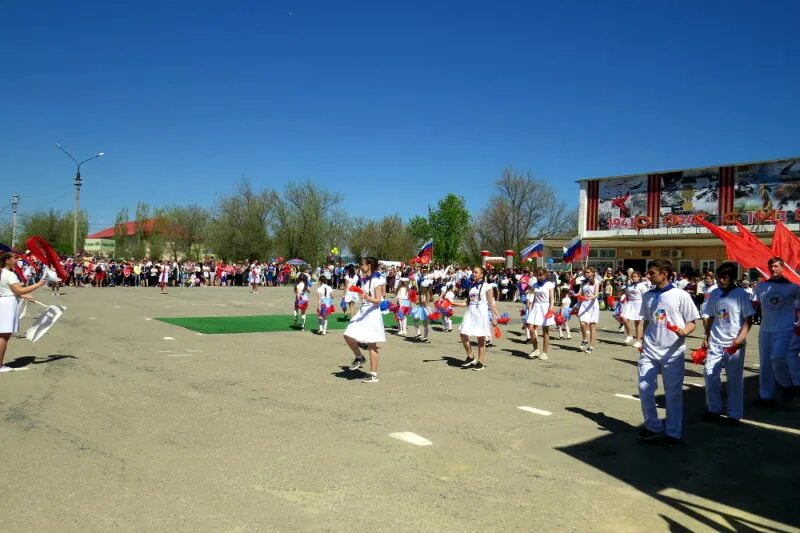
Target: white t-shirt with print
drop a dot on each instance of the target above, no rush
(729, 312)
(659, 307)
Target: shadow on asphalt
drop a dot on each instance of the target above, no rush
(346, 373)
(747, 467)
(24, 361)
(451, 361)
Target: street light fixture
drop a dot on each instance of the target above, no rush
(78, 183)
(14, 204)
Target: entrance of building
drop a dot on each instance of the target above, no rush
(636, 264)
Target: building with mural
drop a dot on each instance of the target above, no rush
(630, 220)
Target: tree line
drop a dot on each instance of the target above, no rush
(306, 220)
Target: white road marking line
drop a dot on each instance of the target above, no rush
(167, 351)
(117, 307)
(535, 410)
(92, 318)
(169, 338)
(771, 426)
(627, 397)
(146, 318)
(180, 355)
(411, 438)
(201, 334)
(194, 351)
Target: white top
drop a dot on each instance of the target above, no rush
(301, 289)
(707, 290)
(402, 293)
(634, 291)
(7, 278)
(565, 302)
(478, 292)
(350, 281)
(777, 304)
(590, 290)
(541, 291)
(729, 313)
(674, 306)
(450, 295)
(324, 291)
(369, 287)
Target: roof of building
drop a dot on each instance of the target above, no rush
(130, 229)
(745, 163)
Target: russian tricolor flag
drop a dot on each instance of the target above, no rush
(534, 250)
(573, 250)
(425, 253)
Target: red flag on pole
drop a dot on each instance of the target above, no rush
(737, 249)
(786, 245)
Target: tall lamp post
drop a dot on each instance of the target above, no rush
(14, 204)
(78, 183)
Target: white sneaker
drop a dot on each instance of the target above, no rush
(534, 354)
(5, 368)
(372, 377)
(637, 345)
(543, 356)
(628, 339)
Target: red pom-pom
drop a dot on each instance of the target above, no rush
(549, 314)
(436, 315)
(412, 296)
(497, 333)
(699, 356)
(580, 298)
(503, 320)
(672, 327)
(357, 290)
(732, 349)
(560, 320)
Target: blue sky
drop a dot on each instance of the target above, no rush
(391, 103)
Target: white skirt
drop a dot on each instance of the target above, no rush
(589, 311)
(350, 297)
(476, 321)
(9, 314)
(537, 313)
(367, 325)
(632, 310)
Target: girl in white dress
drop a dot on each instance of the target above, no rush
(350, 297)
(11, 292)
(632, 308)
(404, 306)
(476, 318)
(450, 296)
(420, 312)
(301, 300)
(589, 309)
(566, 314)
(325, 305)
(253, 278)
(366, 327)
(541, 312)
(163, 277)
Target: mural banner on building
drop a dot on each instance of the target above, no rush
(620, 201)
(768, 191)
(688, 193)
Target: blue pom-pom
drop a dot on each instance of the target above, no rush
(400, 315)
(385, 305)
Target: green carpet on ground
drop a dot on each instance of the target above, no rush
(213, 325)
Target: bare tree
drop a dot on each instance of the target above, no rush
(522, 208)
(240, 223)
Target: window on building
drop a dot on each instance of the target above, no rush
(708, 265)
(604, 253)
(686, 266)
(646, 253)
(556, 253)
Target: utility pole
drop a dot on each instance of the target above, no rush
(14, 204)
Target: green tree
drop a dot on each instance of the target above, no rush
(418, 229)
(239, 226)
(185, 230)
(124, 245)
(307, 221)
(449, 224)
(54, 227)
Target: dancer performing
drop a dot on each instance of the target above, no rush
(163, 277)
(403, 306)
(325, 305)
(350, 297)
(632, 309)
(11, 292)
(476, 318)
(541, 313)
(589, 309)
(301, 300)
(366, 327)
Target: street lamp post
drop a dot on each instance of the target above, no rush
(78, 183)
(14, 204)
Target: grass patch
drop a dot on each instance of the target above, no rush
(216, 325)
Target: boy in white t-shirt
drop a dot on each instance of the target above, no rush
(669, 316)
(728, 313)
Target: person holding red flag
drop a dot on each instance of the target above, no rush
(727, 313)
(776, 297)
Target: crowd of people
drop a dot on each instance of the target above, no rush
(655, 310)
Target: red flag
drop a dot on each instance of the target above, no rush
(737, 249)
(786, 245)
(747, 250)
